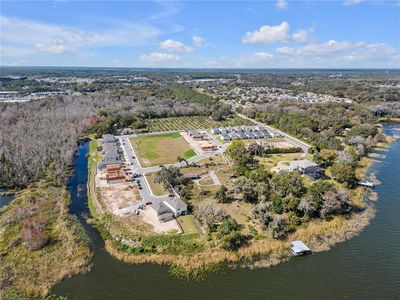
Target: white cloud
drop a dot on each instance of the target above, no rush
(369, 52)
(352, 2)
(198, 41)
(56, 47)
(53, 38)
(327, 48)
(262, 55)
(281, 4)
(175, 46)
(158, 58)
(269, 34)
(301, 35)
(340, 54)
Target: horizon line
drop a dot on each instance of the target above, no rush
(213, 68)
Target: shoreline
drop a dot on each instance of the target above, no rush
(67, 253)
(320, 235)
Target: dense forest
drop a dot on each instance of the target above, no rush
(38, 139)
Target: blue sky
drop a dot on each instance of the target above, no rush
(203, 34)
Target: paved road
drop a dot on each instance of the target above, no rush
(135, 166)
(304, 146)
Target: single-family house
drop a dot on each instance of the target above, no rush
(176, 205)
(223, 131)
(215, 131)
(242, 136)
(162, 212)
(258, 135)
(168, 209)
(302, 164)
(234, 136)
(225, 137)
(250, 135)
(266, 134)
(314, 172)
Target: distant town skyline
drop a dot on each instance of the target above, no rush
(201, 34)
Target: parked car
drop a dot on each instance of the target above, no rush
(148, 203)
(141, 206)
(136, 212)
(140, 187)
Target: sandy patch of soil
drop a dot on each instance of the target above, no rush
(149, 217)
(280, 144)
(118, 196)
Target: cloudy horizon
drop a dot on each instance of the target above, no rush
(273, 34)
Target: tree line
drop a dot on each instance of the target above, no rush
(38, 138)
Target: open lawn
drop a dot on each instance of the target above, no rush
(273, 159)
(160, 149)
(189, 224)
(156, 188)
(194, 122)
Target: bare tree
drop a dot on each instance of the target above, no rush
(209, 214)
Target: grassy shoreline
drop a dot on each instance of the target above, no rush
(66, 253)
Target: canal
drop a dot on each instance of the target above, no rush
(365, 267)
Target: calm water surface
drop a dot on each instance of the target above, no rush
(5, 199)
(366, 267)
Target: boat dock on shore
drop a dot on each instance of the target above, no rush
(366, 183)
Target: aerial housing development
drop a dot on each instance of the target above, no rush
(189, 177)
(199, 150)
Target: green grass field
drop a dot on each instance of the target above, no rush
(194, 122)
(189, 224)
(160, 149)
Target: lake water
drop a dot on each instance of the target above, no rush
(5, 199)
(365, 267)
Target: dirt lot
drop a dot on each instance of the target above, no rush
(283, 144)
(118, 196)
